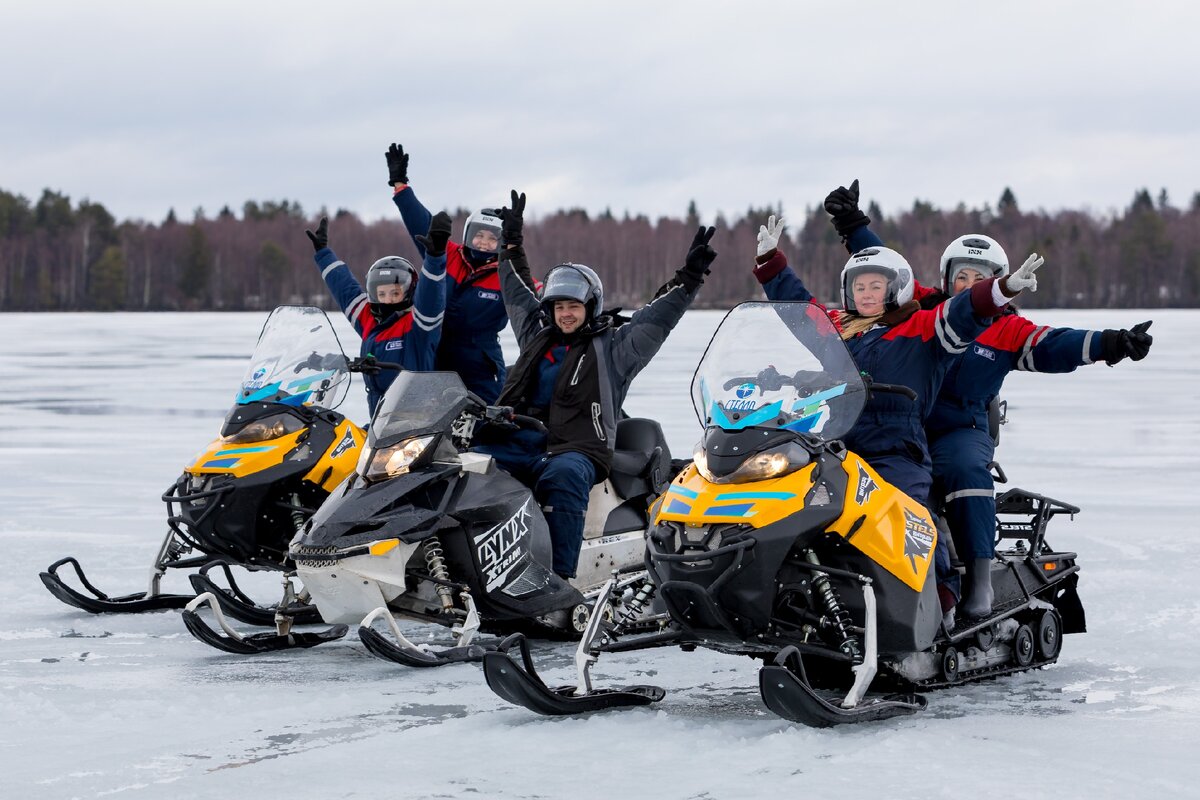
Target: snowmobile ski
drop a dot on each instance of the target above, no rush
(787, 693)
(100, 603)
(242, 607)
(519, 683)
(403, 651)
(234, 642)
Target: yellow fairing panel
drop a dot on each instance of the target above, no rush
(241, 460)
(339, 460)
(692, 499)
(895, 531)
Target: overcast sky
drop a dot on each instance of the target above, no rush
(637, 106)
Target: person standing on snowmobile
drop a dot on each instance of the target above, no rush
(475, 312)
(960, 441)
(573, 374)
(398, 316)
(894, 341)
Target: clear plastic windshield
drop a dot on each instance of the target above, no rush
(298, 361)
(417, 401)
(778, 365)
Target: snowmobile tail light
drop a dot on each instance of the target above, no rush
(390, 462)
(384, 547)
(261, 430)
(773, 463)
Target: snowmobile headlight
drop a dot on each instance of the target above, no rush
(774, 463)
(389, 462)
(261, 430)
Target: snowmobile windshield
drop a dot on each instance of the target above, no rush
(778, 366)
(418, 403)
(298, 361)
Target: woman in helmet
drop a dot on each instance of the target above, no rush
(398, 316)
(896, 342)
(573, 373)
(957, 428)
(475, 313)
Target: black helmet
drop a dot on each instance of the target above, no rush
(385, 272)
(574, 282)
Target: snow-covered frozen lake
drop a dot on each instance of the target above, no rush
(101, 412)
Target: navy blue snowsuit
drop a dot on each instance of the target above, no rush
(408, 338)
(915, 352)
(960, 443)
(475, 312)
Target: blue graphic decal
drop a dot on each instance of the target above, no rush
(265, 393)
(304, 383)
(677, 489)
(237, 451)
(220, 463)
(764, 414)
(804, 424)
(677, 506)
(737, 510)
(819, 397)
(745, 390)
(756, 496)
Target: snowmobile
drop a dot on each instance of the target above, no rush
(281, 450)
(779, 543)
(428, 530)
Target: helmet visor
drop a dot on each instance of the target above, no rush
(987, 269)
(387, 276)
(567, 283)
(865, 277)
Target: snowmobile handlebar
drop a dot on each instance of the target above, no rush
(369, 366)
(504, 416)
(892, 388)
(770, 379)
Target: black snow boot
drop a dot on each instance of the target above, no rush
(977, 599)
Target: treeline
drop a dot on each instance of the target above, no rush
(60, 256)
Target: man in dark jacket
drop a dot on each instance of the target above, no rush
(573, 374)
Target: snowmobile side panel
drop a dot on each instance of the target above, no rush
(339, 460)
(887, 525)
(240, 460)
(692, 499)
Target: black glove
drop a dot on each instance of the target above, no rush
(842, 205)
(397, 161)
(439, 234)
(699, 257)
(512, 221)
(1135, 343)
(320, 239)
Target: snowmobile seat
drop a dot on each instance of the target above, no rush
(641, 459)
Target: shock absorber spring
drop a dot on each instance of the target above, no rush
(839, 617)
(634, 607)
(435, 559)
(297, 516)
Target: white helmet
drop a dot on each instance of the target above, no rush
(973, 251)
(482, 220)
(886, 262)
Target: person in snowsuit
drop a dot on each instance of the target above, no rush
(960, 442)
(894, 341)
(573, 374)
(398, 316)
(475, 312)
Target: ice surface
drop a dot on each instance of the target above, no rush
(100, 412)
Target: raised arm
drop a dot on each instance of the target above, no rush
(345, 289)
(771, 266)
(516, 283)
(415, 215)
(429, 298)
(636, 342)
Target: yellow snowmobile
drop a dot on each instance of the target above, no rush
(280, 452)
(780, 544)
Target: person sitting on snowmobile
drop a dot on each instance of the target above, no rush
(475, 313)
(398, 317)
(894, 341)
(960, 442)
(573, 373)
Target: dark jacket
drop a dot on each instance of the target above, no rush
(601, 361)
(475, 314)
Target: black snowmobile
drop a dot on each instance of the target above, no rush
(780, 544)
(280, 452)
(428, 530)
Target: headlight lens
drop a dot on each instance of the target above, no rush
(266, 428)
(773, 463)
(388, 462)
